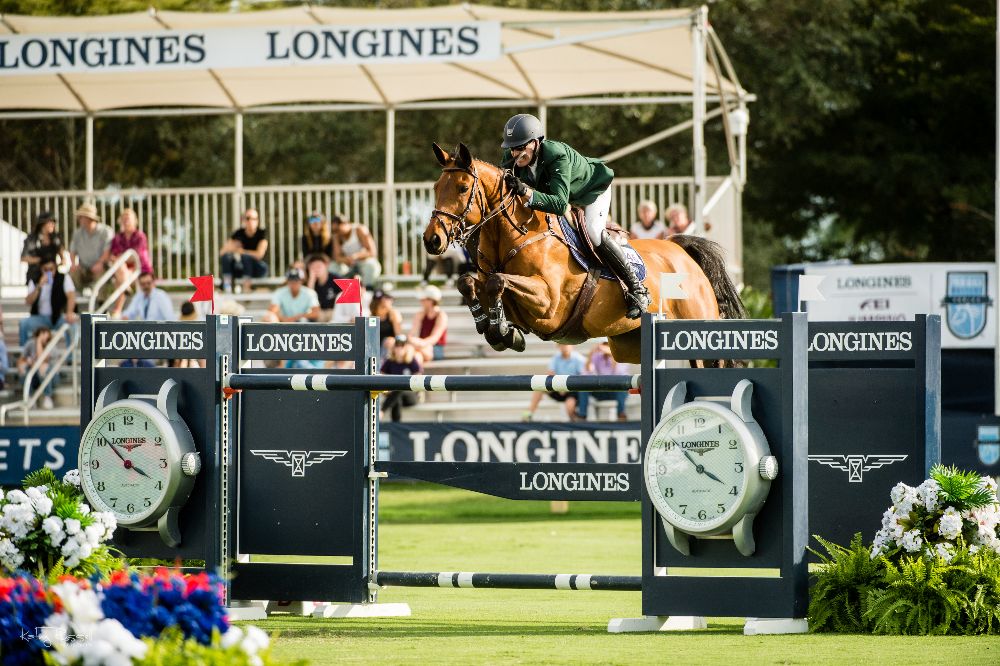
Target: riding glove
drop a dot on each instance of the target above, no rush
(514, 183)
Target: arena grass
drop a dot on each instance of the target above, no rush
(434, 529)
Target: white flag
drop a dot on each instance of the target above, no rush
(670, 287)
(809, 288)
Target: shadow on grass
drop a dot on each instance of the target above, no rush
(307, 627)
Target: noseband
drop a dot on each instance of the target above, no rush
(457, 232)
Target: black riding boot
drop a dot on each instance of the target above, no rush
(637, 299)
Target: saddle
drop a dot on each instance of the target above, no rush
(582, 249)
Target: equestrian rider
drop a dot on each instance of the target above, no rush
(551, 175)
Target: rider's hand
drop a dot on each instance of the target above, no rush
(514, 183)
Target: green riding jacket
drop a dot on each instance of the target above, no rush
(562, 176)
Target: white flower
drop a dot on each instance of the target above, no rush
(83, 606)
(232, 637)
(927, 492)
(72, 526)
(912, 541)
(10, 557)
(943, 550)
(72, 477)
(898, 492)
(951, 524)
(53, 526)
(256, 639)
(83, 508)
(17, 497)
(990, 484)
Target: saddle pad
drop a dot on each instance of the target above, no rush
(575, 249)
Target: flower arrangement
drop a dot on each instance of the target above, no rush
(933, 567)
(48, 528)
(128, 619)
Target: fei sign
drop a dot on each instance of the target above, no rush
(223, 48)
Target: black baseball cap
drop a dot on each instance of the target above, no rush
(294, 274)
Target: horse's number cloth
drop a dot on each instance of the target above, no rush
(569, 233)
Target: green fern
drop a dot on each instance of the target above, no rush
(917, 598)
(962, 490)
(40, 477)
(839, 595)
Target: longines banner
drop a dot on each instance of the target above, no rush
(963, 294)
(223, 48)
(608, 442)
(24, 450)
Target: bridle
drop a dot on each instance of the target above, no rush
(457, 232)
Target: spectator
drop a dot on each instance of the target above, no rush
(453, 260)
(44, 242)
(150, 303)
(243, 254)
(321, 280)
(647, 226)
(29, 355)
(129, 237)
(601, 362)
(402, 360)
(354, 251)
(316, 239)
(390, 322)
(52, 302)
(91, 246)
(429, 332)
(3, 355)
(293, 302)
(566, 362)
(680, 223)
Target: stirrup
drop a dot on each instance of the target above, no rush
(636, 303)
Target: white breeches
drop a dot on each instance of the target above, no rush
(597, 216)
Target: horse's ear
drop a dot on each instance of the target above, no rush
(464, 158)
(441, 155)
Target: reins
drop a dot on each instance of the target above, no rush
(457, 232)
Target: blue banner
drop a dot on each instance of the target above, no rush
(23, 450)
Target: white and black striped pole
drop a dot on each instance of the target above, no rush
(460, 579)
(331, 382)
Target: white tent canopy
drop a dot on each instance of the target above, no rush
(545, 56)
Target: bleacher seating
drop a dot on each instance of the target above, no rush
(466, 353)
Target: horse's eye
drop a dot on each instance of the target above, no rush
(462, 189)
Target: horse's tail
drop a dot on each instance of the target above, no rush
(709, 256)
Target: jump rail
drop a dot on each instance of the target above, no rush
(515, 581)
(433, 382)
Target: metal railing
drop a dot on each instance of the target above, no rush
(29, 397)
(126, 256)
(187, 227)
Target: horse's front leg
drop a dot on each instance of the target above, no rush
(471, 287)
(500, 333)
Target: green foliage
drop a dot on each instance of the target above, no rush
(757, 302)
(171, 649)
(839, 595)
(962, 490)
(917, 597)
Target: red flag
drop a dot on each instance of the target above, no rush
(204, 289)
(350, 292)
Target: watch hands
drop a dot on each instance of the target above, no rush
(700, 468)
(128, 464)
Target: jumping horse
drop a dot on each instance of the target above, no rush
(527, 280)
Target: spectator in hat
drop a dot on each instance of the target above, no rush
(129, 237)
(90, 247)
(316, 238)
(322, 281)
(52, 302)
(243, 254)
(354, 250)
(44, 242)
(429, 332)
(402, 360)
(294, 301)
(390, 322)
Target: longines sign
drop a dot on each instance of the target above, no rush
(222, 48)
(117, 339)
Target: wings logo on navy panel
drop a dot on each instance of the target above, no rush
(297, 460)
(856, 465)
(965, 303)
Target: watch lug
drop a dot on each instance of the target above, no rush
(109, 394)
(169, 527)
(679, 540)
(676, 397)
(743, 535)
(166, 399)
(742, 397)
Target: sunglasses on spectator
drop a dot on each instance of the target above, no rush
(315, 220)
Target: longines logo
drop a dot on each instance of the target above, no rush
(151, 340)
(875, 282)
(298, 342)
(857, 465)
(297, 460)
(861, 341)
(717, 340)
(576, 481)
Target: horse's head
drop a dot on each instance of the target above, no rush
(459, 200)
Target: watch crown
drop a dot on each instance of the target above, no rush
(190, 464)
(768, 468)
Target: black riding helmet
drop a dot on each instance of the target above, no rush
(521, 129)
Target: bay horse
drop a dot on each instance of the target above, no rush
(525, 270)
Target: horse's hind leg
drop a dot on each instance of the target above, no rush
(470, 288)
(500, 333)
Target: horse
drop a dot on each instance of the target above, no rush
(524, 269)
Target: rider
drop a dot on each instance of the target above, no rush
(552, 175)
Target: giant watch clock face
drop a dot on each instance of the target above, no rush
(124, 464)
(696, 468)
